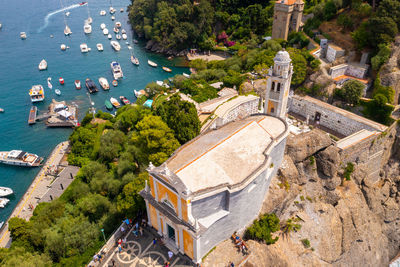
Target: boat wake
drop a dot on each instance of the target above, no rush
(48, 16)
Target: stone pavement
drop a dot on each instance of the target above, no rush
(140, 252)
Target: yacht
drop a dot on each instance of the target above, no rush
(151, 63)
(105, 31)
(103, 13)
(20, 158)
(118, 37)
(5, 191)
(109, 36)
(115, 45)
(118, 24)
(36, 93)
(91, 86)
(134, 60)
(23, 35)
(124, 36)
(78, 84)
(67, 30)
(123, 31)
(43, 65)
(99, 47)
(102, 26)
(3, 203)
(116, 30)
(112, 10)
(87, 28)
(84, 48)
(104, 83)
(116, 70)
(115, 102)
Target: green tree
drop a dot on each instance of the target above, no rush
(129, 202)
(94, 206)
(19, 229)
(22, 258)
(262, 228)
(299, 66)
(198, 64)
(352, 91)
(181, 117)
(383, 55)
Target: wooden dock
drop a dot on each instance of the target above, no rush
(32, 115)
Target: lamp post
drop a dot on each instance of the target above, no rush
(102, 231)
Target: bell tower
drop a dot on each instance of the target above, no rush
(278, 85)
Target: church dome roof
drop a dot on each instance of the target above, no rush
(282, 56)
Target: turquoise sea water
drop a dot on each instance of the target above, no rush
(19, 61)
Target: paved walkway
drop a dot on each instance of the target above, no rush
(140, 252)
(34, 193)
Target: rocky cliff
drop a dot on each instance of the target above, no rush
(390, 72)
(347, 222)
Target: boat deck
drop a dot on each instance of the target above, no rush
(32, 115)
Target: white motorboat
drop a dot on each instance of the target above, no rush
(84, 48)
(115, 102)
(116, 70)
(109, 36)
(118, 37)
(36, 93)
(118, 24)
(186, 75)
(5, 191)
(67, 30)
(1, 25)
(89, 20)
(20, 158)
(87, 28)
(49, 83)
(115, 45)
(3, 202)
(77, 84)
(23, 35)
(123, 31)
(63, 47)
(112, 18)
(124, 36)
(43, 65)
(134, 60)
(121, 10)
(57, 91)
(104, 83)
(116, 30)
(103, 12)
(99, 47)
(105, 31)
(67, 13)
(152, 64)
(139, 93)
(112, 10)
(102, 26)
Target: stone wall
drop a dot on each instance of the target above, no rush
(333, 53)
(339, 120)
(357, 71)
(338, 70)
(244, 205)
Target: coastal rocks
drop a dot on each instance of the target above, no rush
(289, 172)
(328, 161)
(155, 47)
(305, 145)
(390, 72)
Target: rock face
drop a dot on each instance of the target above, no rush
(390, 73)
(306, 145)
(155, 47)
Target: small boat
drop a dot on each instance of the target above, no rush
(5, 191)
(118, 24)
(166, 69)
(20, 158)
(91, 86)
(67, 13)
(1, 110)
(160, 83)
(118, 37)
(49, 83)
(152, 64)
(89, 20)
(115, 83)
(36, 93)
(108, 104)
(63, 47)
(127, 42)
(103, 12)
(67, 30)
(116, 70)
(115, 45)
(99, 47)
(1, 25)
(186, 75)
(78, 84)
(23, 35)
(112, 18)
(61, 80)
(129, 47)
(104, 83)
(83, 3)
(32, 115)
(109, 36)
(105, 31)
(124, 36)
(43, 65)
(51, 36)
(57, 91)
(135, 41)
(124, 100)
(3, 202)
(84, 48)
(115, 102)
(116, 30)
(134, 60)
(123, 31)
(102, 26)
(121, 10)
(112, 10)
(139, 93)
(87, 28)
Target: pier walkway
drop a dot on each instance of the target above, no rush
(39, 188)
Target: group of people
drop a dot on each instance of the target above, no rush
(240, 244)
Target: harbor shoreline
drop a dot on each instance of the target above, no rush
(37, 189)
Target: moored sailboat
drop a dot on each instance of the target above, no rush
(152, 64)
(134, 60)
(43, 65)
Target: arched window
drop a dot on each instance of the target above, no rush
(278, 89)
(273, 86)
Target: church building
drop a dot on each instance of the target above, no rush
(216, 183)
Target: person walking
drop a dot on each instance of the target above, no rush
(112, 262)
(170, 255)
(154, 242)
(141, 230)
(119, 248)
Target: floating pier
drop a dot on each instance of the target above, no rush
(32, 115)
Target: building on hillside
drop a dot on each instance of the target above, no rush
(278, 85)
(334, 52)
(215, 184)
(287, 18)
